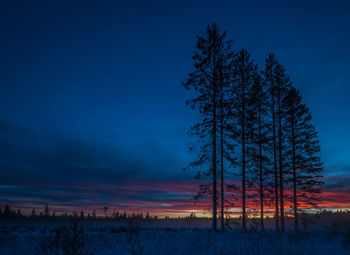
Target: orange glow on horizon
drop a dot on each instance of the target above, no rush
(179, 206)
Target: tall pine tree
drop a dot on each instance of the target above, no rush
(282, 86)
(243, 80)
(208, 81)
(303, 151)
(270, 66)
(258, 130)
(225, 67)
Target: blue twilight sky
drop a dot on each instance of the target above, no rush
(90, 91)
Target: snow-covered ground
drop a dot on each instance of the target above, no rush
(102, 240)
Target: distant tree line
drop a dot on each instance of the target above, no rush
(254, 125)
(45, 213)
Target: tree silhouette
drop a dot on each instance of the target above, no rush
(258, 116)
(7, 211)
(46, 210)
(258, 130)
(208, 61)
(270, 64)
(304, 153)
(282, 85)
(105, 209)
(225, 80)
(243, 81)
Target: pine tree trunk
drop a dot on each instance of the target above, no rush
(280, 159)
(296, 227)
(222, 155)
(275, 156)
(261, 174)
(214, 218)
(214, 167)
(244, 224)
(243, 175)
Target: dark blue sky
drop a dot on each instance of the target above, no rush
(90, 93)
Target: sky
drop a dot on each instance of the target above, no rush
(92, 110)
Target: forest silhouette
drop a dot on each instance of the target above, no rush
(255, 125)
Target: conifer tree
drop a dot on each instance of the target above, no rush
(7, 211)
(258, 130)
(279, 83)
(303, 152)
(270, 65)
(225, 67)
(46, 211)
(282, 86)
(82, 216)
(205, 80)
(243, 74)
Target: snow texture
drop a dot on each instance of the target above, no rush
(102, 240)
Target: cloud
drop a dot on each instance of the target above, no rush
(79, 171)
(338, 182)
(26, 157)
